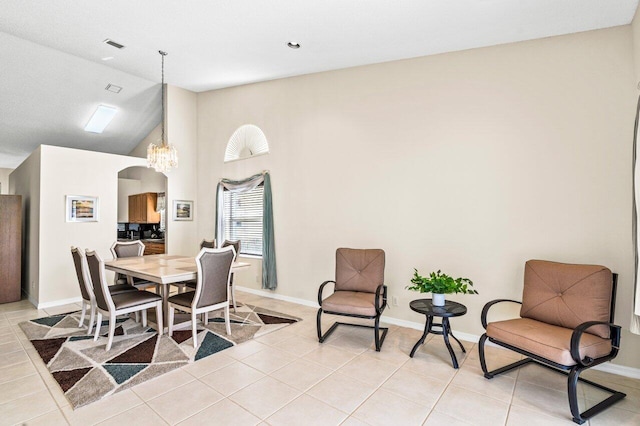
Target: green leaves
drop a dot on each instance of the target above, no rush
(440, 283)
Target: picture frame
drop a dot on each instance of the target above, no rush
(182, 210)
(81, 208)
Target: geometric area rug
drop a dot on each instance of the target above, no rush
(87, 373)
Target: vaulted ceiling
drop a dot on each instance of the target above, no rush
(53, 74)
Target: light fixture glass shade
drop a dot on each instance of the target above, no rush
(162, 157)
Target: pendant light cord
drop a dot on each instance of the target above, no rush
(163, 54)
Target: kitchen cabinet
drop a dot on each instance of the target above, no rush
(10, 247)
(153, 248)
(142, 208)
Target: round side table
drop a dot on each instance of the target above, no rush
(450, 309)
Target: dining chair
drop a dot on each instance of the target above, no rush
(135, 248)
(236, 246)
(208, 243)
(86, 290)
(118, 304)
(192, 283)
(212, 289)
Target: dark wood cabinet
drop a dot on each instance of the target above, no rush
(10, 248)
(142, 208)
(153, 248)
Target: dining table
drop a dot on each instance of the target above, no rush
(162, 269)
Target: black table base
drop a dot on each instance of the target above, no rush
(450, 309)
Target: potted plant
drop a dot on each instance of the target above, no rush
(439, 284)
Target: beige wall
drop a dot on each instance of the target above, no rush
(4, 180)
(25, 181)
(181, 131)
(61, 172)
(470, 162)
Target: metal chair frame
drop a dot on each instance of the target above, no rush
(381, 290)
(572, 371)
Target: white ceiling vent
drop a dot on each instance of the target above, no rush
(113, 88)
(247, 141)
(114, 43)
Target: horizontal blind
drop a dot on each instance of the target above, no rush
(243, 219)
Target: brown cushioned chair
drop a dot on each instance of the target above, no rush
(118, 304)
(566, 324)
(359, 291)
(212, 289)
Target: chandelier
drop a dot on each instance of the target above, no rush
(162, 157)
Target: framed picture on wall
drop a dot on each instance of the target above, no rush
(182, 210)
(81, 208)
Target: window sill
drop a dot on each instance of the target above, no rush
(250, 256)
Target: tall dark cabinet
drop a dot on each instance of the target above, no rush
(10, 247)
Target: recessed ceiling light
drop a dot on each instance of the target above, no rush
(113, 43)
(113, 88)
(107, 58)
(293, 45)
(100, 119)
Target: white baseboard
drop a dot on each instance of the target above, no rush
(57, 303)
(272, 295)
(608, 367)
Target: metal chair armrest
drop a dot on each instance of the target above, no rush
(381, 288)
(485, 310)
(321, 289)
(614, 336)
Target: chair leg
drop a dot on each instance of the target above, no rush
(319, 325)
(98, 326)
(226, 319)
(194, 328)
(91, 318)
(84, 310)
(144, 317)
(205, 318)
(233, 294)
(376, 329)
(171, 315)
(483, 360)
(112, 330)
(159, 317)
(137, 316)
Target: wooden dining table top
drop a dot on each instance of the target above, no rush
(161, 268)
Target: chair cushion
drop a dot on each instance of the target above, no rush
(545, 340)
(132, 298)
(567, 295)
(183, 299)
(351, 302)
(121, 288)
(359, 270)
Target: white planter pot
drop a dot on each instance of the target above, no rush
(438, 299)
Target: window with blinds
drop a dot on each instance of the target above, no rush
(243, 219)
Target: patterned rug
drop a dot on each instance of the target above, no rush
(87, 373)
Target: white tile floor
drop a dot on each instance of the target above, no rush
(288, 378)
